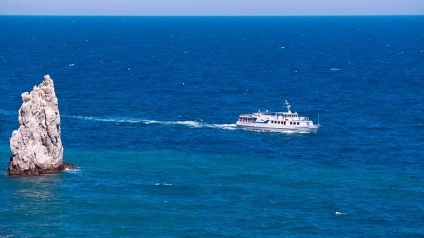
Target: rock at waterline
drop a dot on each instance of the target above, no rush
(37, 146)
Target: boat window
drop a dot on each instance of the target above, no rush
(298, 123)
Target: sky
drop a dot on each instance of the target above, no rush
(211, 7)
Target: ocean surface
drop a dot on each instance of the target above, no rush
(148, 109)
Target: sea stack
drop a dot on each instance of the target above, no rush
(36, 146)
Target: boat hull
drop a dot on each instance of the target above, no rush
(281, 128)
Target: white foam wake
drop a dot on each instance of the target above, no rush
(194, 124)
(191, 124)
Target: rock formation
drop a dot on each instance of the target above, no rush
(36, 146)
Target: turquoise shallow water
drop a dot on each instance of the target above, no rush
(148, 106)
(170, 193)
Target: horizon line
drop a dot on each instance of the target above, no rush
(297, 15)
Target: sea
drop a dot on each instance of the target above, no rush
(148, 109)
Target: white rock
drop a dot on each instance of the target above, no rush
(36, 146)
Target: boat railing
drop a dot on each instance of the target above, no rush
(279, 115)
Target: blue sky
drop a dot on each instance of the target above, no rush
(211, 7)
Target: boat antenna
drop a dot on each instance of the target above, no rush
(287, 105)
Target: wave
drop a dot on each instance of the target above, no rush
(191, 124)
(8, 112)
(162, 184)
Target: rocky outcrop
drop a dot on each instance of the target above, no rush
(36, 146)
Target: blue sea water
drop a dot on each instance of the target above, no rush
(148, 109)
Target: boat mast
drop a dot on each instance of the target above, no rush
(287, 105)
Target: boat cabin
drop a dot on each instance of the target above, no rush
(247, 118)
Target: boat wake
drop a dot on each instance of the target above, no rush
(193, 124)
(118, 120)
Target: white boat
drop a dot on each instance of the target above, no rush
(277, 121)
